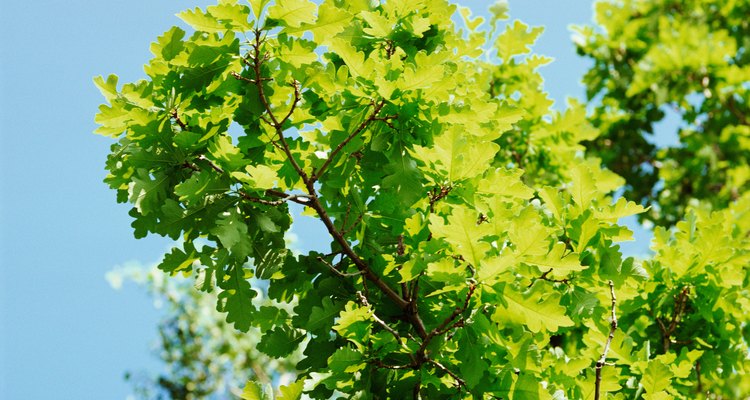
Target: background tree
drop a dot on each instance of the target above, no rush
(473, 241)
(689, 57)
(205, 358)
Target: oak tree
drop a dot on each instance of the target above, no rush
(473, 239)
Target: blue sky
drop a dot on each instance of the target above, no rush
(64, 333)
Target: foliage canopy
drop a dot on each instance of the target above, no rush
(473, 239)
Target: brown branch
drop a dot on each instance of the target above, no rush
(438, 194)
(309, 181)
(316, 205)
(699, 384)
(363, 300)
(354, 224)
(441, 329)
(544, 277)
(732, 106)
(603, 359)
(317, 174)
(295, 198)
(256, 65)
(680, 303)
(417, 388)
(211, 164)
(177, 120)
(337, 272)
(459, 382)
(295, 86)
(381, 364)
(246, 79)
(387, 120)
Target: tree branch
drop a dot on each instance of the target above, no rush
(316, 205)
(211, 164)
(309, 181)
(275, 123)
(732, 106)
(438, 194)
(544, 277)
(177, 119)
(317, 174)
(441, 329)
(459, 382)
(337, 272)
(603, 359)
(295, 198)
(679, 307)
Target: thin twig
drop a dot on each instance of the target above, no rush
(385, 326)
(381, 364)
(441, 329)
(317, 174)
(459, 382)
(211, 164)
(337, 272)
(295, 86)
(314, 200)
(680, 303)
(732, 106)
(275, 123)
(283, 197)
(177, 119)
(544, 277)
(438, 194)
(603, 359)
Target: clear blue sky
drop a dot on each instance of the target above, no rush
(64, 333)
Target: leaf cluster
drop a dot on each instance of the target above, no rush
(473, 240)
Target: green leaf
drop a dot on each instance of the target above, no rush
(529, 236)
(201, 21)
(293, 13)
(557, 260)
(621, 209)
(516, 40)
(148, 191)
(354, 59)
(234, 16)
(537, 311)
(464, 233)
(354, 322)
(236, 298)
(177, 261)
(426, 71)
(527, 387)
(197, 186)
(226, 154)
(346, 360)
(472, 364)
(456, 156)
(584, 188)
(292, 391)
(255, 391)
(258, 177)
(108, 88)
(258, 6)
(379, 25)
(331, 21)
(280, 342)
(655, 379)
(323, 316)
(504, 182)
(230, 230)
